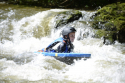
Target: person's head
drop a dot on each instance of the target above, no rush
(69, 33)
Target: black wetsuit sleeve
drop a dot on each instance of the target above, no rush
(61, 48)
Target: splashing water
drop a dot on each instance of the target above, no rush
(21, 36)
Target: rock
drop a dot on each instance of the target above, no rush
(110, 20)
(64, 18)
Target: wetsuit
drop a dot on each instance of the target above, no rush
(65, 46)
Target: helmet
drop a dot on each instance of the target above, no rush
(68, 30)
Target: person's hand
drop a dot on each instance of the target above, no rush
(40, 51)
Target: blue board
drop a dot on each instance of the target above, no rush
(82, 55)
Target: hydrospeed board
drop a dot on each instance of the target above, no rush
(82, 55)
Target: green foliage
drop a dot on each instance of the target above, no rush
(113, 13)
(64, 3)
(112, 17)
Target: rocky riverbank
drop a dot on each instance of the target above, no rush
(109, 22)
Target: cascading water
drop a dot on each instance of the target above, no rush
(22, 33)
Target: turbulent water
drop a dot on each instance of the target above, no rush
(24, 30)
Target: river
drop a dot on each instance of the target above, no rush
(24, 30)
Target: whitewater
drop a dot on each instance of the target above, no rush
(24, 30)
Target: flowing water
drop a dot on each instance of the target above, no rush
(24, 30)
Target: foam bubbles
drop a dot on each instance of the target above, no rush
(18, 61)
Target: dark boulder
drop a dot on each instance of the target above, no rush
(64, 18)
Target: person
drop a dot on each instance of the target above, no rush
(66, 45)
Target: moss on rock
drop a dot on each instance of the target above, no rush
(112, 18)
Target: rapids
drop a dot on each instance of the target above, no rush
(24, 30)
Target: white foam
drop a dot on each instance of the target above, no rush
(106, 64)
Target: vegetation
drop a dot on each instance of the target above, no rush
(86, 4)
(111, 21)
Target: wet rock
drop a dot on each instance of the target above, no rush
(64, 18)
(109, 21)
